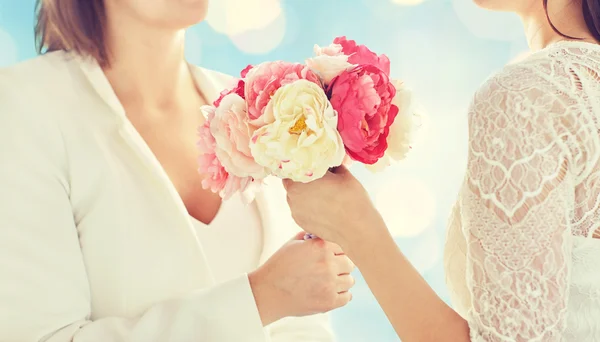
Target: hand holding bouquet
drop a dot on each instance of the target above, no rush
(296, 121)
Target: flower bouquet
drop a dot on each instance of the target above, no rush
(296, 121)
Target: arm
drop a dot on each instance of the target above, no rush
(44, 291)
(516, 207)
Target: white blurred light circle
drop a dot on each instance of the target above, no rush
(407, 2)
(408, 206)
(426, 251)
(8, 49)
(488, 24)
(261, 41)
(233, 17)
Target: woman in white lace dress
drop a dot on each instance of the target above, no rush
(522, 256)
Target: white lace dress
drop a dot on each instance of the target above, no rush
(522, 259)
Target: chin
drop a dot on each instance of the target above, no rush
(186, 13)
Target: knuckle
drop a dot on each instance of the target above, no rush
(350, 281)
(351, 266)
(348, 298)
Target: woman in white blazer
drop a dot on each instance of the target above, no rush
(105, 231)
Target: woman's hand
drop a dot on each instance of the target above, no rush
(304, 277)
(335, 208)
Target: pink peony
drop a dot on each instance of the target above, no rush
(215, 177)
(231, 131)
(361, 55)
(246, 70)
(331, 50)
(265, 79)
(329, 62)
(238, 88)
(363, 98)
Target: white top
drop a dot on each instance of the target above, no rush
(521, 260)
(95, 242)
(233, 240)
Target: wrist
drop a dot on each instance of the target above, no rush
(266, 300)
(365, 242)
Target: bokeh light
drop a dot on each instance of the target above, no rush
(488, 24)
(426, 251)
(232, 17)
(254, 26)
(263, 40)
(407, 205)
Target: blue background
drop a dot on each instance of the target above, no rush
(442, 48)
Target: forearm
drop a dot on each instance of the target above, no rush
(411, 305)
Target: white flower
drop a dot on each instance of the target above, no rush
(232, 133)
(300, 141)
(401, 131)
(329, 62)
(331, 50)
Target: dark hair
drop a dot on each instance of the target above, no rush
(72, 25)
(591, 14)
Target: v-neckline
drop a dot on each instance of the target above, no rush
(98, 80)
(211, 86)
(216, 219)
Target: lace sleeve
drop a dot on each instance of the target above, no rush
(515, 207)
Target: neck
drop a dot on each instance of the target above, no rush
(567, 17)
(147, 66)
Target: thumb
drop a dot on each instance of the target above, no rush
(341, 170)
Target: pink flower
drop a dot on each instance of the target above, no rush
(232, 133)
(265, 79)
(331, 50)
(361, 55)
(238, 88)
(215, 177)
(329, 62)
(246, 70)
(363, 98)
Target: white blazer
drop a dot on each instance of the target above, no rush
(95, 243)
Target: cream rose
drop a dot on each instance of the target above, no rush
(400, 136)
(329, 62)
(232, 133)
(300, 140)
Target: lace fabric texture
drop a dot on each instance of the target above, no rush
(522, 262)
